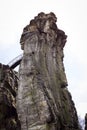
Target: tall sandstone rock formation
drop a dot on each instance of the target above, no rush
(43, 101)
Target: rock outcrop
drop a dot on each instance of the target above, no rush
(86, 121)
(43, 101)
(8, 90)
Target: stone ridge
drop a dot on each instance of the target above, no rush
(43, 100)
(43, 23)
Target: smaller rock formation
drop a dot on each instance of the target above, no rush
(86, 121)
(8, 90)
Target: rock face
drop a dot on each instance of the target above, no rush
(8, 89)
(43, 101)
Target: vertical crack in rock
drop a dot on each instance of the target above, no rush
(43, 100)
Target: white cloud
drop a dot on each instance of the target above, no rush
(82, 106)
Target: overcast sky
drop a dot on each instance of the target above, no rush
(72, 18)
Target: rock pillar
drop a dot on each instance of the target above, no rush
(43, 101)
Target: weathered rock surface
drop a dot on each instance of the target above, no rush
(43, 101)
(8, 90)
